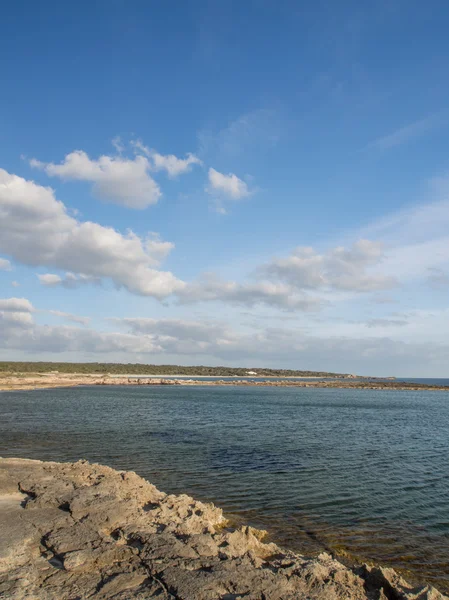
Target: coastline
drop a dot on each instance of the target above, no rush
(34, 381)
(84, 530)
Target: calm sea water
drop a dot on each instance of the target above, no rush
(361, 473)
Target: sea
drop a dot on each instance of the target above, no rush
(362, 474)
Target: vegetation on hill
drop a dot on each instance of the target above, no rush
(140, 369)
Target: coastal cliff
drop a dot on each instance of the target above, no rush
(80, 530)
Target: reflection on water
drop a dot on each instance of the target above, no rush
(362, 473)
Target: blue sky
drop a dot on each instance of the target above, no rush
(257, 183)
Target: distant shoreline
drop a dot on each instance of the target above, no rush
(34, 381)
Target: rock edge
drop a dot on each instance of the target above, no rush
(74, 531)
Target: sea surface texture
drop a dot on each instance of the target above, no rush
(361, 473)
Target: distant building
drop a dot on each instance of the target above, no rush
(251, 373)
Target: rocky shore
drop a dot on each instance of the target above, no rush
(73, 531)
(32, 381)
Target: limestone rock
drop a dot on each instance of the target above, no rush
(74, 531)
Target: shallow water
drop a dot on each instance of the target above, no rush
(364, 473)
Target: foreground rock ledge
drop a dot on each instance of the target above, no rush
(79, 530)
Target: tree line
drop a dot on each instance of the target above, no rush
(143, 369)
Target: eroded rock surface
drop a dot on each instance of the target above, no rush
(78, 530)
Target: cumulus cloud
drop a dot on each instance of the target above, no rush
(340, 268)
(287, 283)
(229, 186)
(169, 163)
(10, 321)
(5, 265)
(180, 336)
(115, 179)
(15, 313)
(37, 230)
(279, 295)
(172, 165)
(16, 305)
(157, 248)
(50, 279)
(118, 179)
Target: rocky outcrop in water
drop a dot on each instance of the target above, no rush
(77, 530)
(31, 381)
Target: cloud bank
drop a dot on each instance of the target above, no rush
(189, 341)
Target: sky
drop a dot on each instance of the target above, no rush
(260, 183)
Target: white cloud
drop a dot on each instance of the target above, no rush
(115, 179)
(10, 320)
(347, 269)
(173, 165)
(157, 248)
(69, 280)
(179, 336)
(50, 279)
(5, 265)
(229, 186)
(35, 339)
(170, 163)
(119, 179)
(15, 284)
(70, 317)
(210, 288)
(15, 312)
(36, 229)
(16, 305)
(192, 341)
